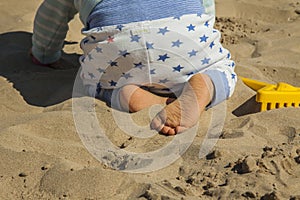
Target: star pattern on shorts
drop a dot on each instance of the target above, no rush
(221, 50)
(99, 50)
(205, 61)
(203, 49)
(191, 27)
(203, 38)
(139, 65)
(113, 63)
(206, 24)
(123, 53)
(163, 57)
(101, 70)
(163, 31)
(149, 45)
(176, 43)
(152, 71)
(192, 53)
(135, 38)
(92, 76)
(190, 74)
(233, 76)
(163, 80)
(177, 69)
(120, 27)
(112, 83)
(126, 75)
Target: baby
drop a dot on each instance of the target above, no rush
(141, 53)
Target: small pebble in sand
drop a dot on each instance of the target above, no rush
(270, 196)
(297, 159)
(298, 152)
(249, 194)
(45, 167)
(213, 155)
(247, 165)
(295, 197)
(23, 174)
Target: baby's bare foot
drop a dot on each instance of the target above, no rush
(133, 98)
(184, 112)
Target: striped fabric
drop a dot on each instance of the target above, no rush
(50, 29)
(51, 26)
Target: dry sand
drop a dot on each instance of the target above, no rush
(256, 157)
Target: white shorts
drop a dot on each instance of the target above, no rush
(161, 54)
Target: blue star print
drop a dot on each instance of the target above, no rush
(127, 75)
(212, 45)
(221, 50)
(139, 65)
(203, 38)
(119, 27)
(176, 43)
(163, 31)
(149, 45)
(112, 83)
(101, 70)
(152, 71)
(91, 75)
(99, 50)
(193, 53)
(164, 80)
(113, 63)
(177, 69)
(135, 38)
(205, 61)
(233, 76)
(190, 74)
(191, 27)
(206, 24)
(163, 57)
(123, 53)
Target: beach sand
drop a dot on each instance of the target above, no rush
(257, 155)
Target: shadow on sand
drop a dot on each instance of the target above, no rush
(39, 86)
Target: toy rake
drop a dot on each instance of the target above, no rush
(273, 96)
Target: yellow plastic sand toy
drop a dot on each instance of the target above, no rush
(274, 96)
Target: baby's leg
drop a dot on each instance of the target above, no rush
(133, 98)
(184, 112)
